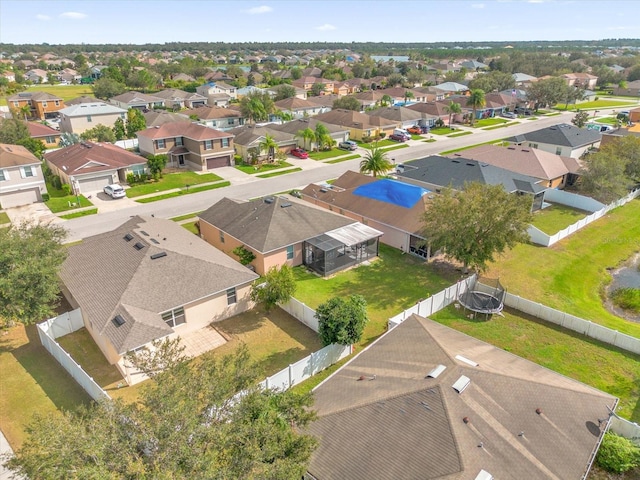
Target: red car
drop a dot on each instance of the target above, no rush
(300, 153)
(415, 130)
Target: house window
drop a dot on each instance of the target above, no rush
(44, 104)
(16, 104)
(174, 317)
(50, 140)
(160, 143)
(27, 172)
(89, 118)
(230, 121)
(208, 144)
(138, 169)
(231, 296)
(57, 103)
(122, 116)
(179, 142)
(290, 252)
(224, 142)
(221, 236)
(4, 175)
(558, 150)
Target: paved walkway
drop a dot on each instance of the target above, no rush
(5, 449)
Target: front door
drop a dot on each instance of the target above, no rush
(181, 160)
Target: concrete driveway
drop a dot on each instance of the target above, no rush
(34, 212)
(107, 204)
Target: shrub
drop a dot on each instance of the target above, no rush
(245, 256)
(367, 139)
(342, 320)
(439, 123)
(617, 454)
(45, 197)
(66, 188)
(56, 182)
(131, 178)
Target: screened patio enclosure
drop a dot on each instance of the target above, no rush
(338, 249)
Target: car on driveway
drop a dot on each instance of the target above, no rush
(348, 145)
(509, 115)
(398, 138)
(115, 191)
(299, 152)
(416, 130)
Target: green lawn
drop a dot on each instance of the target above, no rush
(170, 181)
(395, 147)
(601, 103)
(281, 172)
(185, 217)
(325, 154)
(82, 213)
(500, 143)
(460, 134)
(196, 189)
(381, 143)
(343, 159)
(607, 120)
(569, 353)
(191, 226)
(570, 276)
(265, 167)
(442, 130)
(489, 122)
(60, 202)
(557, 217)
(495, 127)
(4, 218)
(390, 284)
(65, 92)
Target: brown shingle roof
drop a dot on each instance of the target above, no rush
(182, 129)
(89, 157)
(39, 130)
(211, 113)
(15, 156)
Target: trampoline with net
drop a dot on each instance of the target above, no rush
(486, 297)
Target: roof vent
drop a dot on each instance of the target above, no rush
(269, 199)
(436, 371)
(525, 150)
(461, 384)
(144, 233)
(323, 190)
(155, 256)
(471, 164)
(118, 320)
(139, 246)
(155, 241)
(455, 161)
(128, 237)
(511, 148)
(466, 360)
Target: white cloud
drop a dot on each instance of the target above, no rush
(259, 10)
(477, 5)
(73, 15)
(326, 27)
(43, 17)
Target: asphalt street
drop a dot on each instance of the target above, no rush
(253, 187)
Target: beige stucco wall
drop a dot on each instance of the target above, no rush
(81, 124)
(16, 182)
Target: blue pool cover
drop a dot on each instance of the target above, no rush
(392, 191)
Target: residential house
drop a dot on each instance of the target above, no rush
(631, 89)
(37, 75)
(369, 99)
(554, 170)
(9, 76)
(308, 82)
(95, 72)
(299, 108)
(426, 401)
(164, 282)
(397, 94)
(68, 76)
(217, 117)
(474, 65)
(176, 99)
(85, 116)
(21, 178)
(283, 231)
(42, 105)
(523, 79)
(392, 207)
(249, 89)
(324, 101)
(585, 81)
(188, 145)
(82, 99)
(434, 173)
(614, 135)
(563, 139)
(249, 137)
(182, 77)
(88, 167)
(634, 115)
(338, 134)
(360, 125)
(155, 118)
(141, 101)
(451, 88)
(216, 88)
(47, 135)
(403, 116)
(347, 87)
(437, 110)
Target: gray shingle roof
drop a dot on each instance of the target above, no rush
(564, 135)
(404, 425)
(269, 226)
(99, 108)
(107, 276)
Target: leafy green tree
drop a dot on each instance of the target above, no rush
(603, 176)
(493, 81)
(278, 286)
(284, 92)
(156, 164)
(296, 73)
(119, 130)
(342, 320)
(67, 139)
(30, 258)
(269, 145)
(573, 95)
(106, 88)
(580, 119)
(627, 148)
(407, 95)
(257, 106)
(13, 130)
(476, 223)
(99, 133)
(210, 420)
(245, 256)
(617, 454)
(307, 136)
(316, 89)
(135, 122)
(394, 80)
(35, 146)
(452, 108)
(375, 161)
(386, 100)
(347, 102)
(323, 137)
(475, 100)
(634, 74)
(546, 92)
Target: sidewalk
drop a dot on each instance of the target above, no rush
(5, 449)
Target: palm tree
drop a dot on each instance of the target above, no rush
(269, 145)
(375, 162)
(407, 95)
(306, 135)
(25, 110)
(386, 100)
(452, 108)
(476, 100)
(322, 136)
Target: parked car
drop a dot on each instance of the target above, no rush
(348, 145)
(397, 137)
(523, 111)
(299, 152)
(114, 191)
(509, 115)
(415, 130)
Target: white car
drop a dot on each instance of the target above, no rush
(114, 191)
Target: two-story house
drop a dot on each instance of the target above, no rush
(21, 178)
(138, 100)
(85, 116)
(307, 83)
(563, 139)
(581, 80)
(216, 88)
(217, 117)
(42, 105)
(188, 145)
(177, 99)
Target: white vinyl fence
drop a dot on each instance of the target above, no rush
(59, 326)
(302, 313)
(127, 144)
(308, 366)
(626, 429)
(436, 302)
(540, 238)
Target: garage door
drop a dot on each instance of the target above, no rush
(216, 162)
(22, 197)
(95, 184)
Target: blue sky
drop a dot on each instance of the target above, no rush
(147, 21)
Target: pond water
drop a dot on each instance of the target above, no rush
(627, 276)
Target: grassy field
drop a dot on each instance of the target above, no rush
(441, 131)
(343, 159)
(569, 353)
(4, 218)
(61, 202)
(572, 274)
(170, 181)
(265, 167)
(378, 144)
(556, 217)
(82, 213)
(65, 92)
(325, 154)
(489, 122)
(602, 103)
(281, 172)
(191, 226)
(196, 189)
(383, 283)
